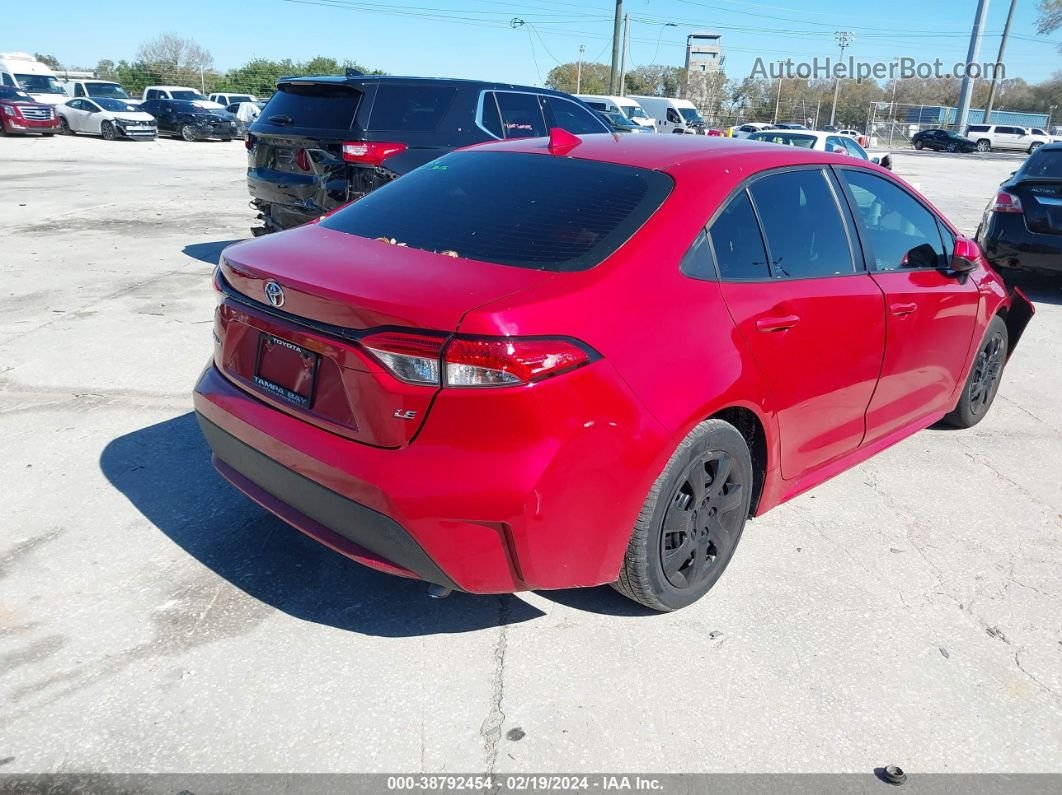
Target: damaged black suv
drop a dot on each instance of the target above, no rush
(321, 142)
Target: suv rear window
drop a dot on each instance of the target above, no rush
(1042, 164)
(314, 105)
(410, 108)
(529, 211)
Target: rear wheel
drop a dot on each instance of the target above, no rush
(984, 379)
(952, 148)
(919, 145)
(691, 521)
(107, 131)
(1033, 147)
(984, 145)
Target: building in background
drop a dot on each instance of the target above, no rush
(704, 69)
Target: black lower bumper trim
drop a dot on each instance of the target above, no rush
(353, 521)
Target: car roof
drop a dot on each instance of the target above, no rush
(820, 134)
(362, 79)
(674, 154)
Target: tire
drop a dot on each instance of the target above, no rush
(1034, 147)
(919, 145)
(986, 372)
(984, 145)
(952, 148)
(188, 133)
(107, 131)
(227, 140)
(703, 524)
(64, 126)
(47, 135)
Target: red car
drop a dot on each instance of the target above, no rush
(546, 363)
(20, 114)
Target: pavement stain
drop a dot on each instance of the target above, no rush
(11, 558)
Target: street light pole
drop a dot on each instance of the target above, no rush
(966, 92)
(844, 38)
(579, 70)
(613, 81)
(623, 54)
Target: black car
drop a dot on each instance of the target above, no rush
(942, 141)
(321, 142)
(190, 120)
(620, 123)
(1022, 225)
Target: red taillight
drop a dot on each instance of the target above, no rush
(506, 361)
(302, 159)
(1006, 203)
(474, 361)
(248, 142)
(371, 153)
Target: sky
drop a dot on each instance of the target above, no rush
(476, 39)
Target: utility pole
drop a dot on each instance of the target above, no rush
(202, 79)
(777, 101)
(579, 70)
(844, 38)
(999, 60)
(613, 82)
(966, 93)
(623, 54)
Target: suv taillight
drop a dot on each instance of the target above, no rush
(248, 142)
(475, 361)
(371, 153)
(1006, 203)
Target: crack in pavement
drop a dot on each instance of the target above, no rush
(490, 731)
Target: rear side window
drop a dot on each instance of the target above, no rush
(410, 108)
(571, 117)
(521, 115)
(314, 105)
(529, 211)
(805, 234)
(737, 243)
(978, 128)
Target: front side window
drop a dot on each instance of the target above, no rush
(854, 149)
(737, 243)
(901, 232)
(673, 117)
(805, 233)
(521, 115)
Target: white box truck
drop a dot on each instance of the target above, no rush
(22, 70)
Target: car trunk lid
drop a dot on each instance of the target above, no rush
(1041, 199)
(303, 355)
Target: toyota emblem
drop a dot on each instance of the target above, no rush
(274, 293)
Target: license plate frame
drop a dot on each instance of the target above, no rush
(310, 361)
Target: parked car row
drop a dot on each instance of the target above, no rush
(983, 138)
(804, 138)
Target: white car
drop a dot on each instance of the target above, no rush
(860, 138)
(232, 99)
(745, 130)
(106, 117)
(1006, 136)
(821, 141)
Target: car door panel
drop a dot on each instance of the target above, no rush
(930, 312)
(799, 328)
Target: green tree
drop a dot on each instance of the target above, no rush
(595, 78)
(49, 60)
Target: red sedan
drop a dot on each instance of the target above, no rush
(546, 363)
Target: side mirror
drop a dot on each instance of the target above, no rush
(965, 257)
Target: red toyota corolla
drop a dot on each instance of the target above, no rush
(567, 362)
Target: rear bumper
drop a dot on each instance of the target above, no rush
(1008, 243)
(531, 493)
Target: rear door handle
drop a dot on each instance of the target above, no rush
(902, 310)
(777, 323)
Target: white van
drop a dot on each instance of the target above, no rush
(94, 88)
(232, 99)
(22, 70)
(673, 115)
(634, 112)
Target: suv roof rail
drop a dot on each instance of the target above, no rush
(355, 73)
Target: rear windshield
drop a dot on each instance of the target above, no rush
(315, 105)
(410, 108)
(529, 211)
(1043, 164)
(803, 141)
